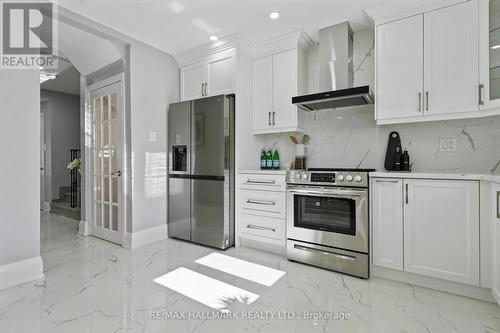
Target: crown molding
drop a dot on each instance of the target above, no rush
(232, 41)
(283, 42)
(392, 10)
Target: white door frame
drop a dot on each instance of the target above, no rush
(89, 159)
(42, 161)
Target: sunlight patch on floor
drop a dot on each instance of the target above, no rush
(205, 290)
(241, 268)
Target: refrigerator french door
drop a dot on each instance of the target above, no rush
(201, 165)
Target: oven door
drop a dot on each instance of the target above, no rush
(336, 217)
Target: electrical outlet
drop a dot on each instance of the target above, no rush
(152, 136)
(448, 145)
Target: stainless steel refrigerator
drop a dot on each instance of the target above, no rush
(201, 171)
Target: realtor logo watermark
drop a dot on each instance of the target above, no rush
(29, 35)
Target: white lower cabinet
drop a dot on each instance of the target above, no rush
(441, 229)
(387, 211)
(427, 227)
(261, 207)
(496, 243)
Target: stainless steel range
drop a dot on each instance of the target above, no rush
(327, 219)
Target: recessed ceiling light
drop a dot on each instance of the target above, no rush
(274, 15)
(494, 47)
(213, 38)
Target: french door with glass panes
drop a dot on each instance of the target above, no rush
(107, 108)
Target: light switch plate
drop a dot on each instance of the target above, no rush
(152, 136)
(448, 145)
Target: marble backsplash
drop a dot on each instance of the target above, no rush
(350, 137)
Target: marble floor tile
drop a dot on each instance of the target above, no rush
(95, 286)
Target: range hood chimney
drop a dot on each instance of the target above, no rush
(336, 77)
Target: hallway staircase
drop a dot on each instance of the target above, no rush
(63, 207)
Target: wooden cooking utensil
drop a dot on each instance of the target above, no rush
(305, 139)
(294, 139)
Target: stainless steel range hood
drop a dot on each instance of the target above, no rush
(336, 77)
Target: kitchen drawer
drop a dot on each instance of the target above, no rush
(268, 182)
(262, 228)
(265, 203)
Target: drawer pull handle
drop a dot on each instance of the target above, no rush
(310, 249)
(265, 203)
(251, 226)
(250, 181)
(387, 181)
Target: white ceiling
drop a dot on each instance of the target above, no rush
(178, 25)
(67, 81)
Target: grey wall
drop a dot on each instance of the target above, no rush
(62, 133)
(350, 137)
(19, 169)
(154, 84)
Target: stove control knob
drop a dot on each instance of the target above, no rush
(297, 175)
(340, 178)
(357, 178)
(305, 176)
(349, 178)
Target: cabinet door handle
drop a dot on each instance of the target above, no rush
(406, 193)
(264, 203)
(206, 89)
(498, 204)
(203, 89)
(481, 87)
(250, 181)
(251, 226)
(274, 123)
(419, 102)
(426, 101)
(387, 181)
(269, 118)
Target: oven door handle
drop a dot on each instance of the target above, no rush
(310, 249)
(345, 194)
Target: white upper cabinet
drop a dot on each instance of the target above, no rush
(278, 74)
(274, 83)
(451, 73)
(262, 96)
(192, 80)
(211, 76)
(441, 229)
(387, 222)
(489, 54)
(428, 66)
(284, 88)
(221, 73)
(400, 46)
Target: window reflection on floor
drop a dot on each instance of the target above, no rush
(206, 290)
(241, 268)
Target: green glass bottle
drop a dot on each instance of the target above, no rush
(269, 159)
(263, 160)
(276, 160)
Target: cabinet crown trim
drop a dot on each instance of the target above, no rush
(393, 10)
(193, 55)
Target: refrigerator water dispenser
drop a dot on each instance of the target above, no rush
(179, 158)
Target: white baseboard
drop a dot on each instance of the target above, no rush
(496, 295)
(145, 237)
(46, 207)
(21, 272)
(84, 228)
(456, 288)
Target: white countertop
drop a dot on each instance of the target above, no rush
(262, 172)
(494, 178)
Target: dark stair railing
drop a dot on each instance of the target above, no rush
(75, 153)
